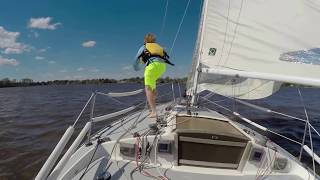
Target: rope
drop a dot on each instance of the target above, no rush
(269, 111)
(87, 166)
(305, 132)
(85, 106)
(217, 104)
(310, 135)
(264, 172)
(178, 31)
(164, 18)
(225, 108)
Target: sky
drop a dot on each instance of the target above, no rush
(55, 39)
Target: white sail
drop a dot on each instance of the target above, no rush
(266, 37)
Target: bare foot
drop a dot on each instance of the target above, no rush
(152, 115)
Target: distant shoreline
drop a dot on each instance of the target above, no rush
(6, 82)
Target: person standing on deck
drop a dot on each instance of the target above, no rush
(155, 58)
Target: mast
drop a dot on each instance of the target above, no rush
(198, 52)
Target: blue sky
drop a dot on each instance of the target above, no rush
(56, 39)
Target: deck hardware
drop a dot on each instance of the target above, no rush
(280, 164)
(256, 155)
(165, 147)
(127, 150)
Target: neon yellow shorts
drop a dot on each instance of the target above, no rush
(152, 72)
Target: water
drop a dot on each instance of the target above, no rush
(32, 119)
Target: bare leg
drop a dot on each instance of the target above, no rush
(151, 97)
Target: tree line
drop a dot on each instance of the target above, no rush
(6, 82)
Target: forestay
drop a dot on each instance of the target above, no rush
(262, 37)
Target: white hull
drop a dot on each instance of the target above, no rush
(106, 158)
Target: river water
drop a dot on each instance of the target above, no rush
(33, 119)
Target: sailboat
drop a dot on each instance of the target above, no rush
(245, 50)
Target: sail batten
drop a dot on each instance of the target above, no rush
(270, 40)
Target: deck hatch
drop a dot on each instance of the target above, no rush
(209, 143)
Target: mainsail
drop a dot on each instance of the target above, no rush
(266, 41)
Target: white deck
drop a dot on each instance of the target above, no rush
(120, 167)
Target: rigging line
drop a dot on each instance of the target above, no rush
(87, 166)
(209, 95)
(266, 129)
(144, 102)
(164, 18)
(296, 118)
(214, 101)
(217, 104)
(265, 173)
(200, 9)
(225, 33)
(235, 32)
(85, 106)
(273, 132)
(122, 135)
(304, 138)
(131, 127)
(310, 135)
(272, 111)
(178, 31)
(117, 142)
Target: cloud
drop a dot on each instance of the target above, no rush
(80, 69)
(39, 58)
(51, 62)
(89, 44)
(8, 42)
(43, 49)
(63, 71)
(5, 61)
(13, 51)
(127, 67)
(90, 69)
(42, 23)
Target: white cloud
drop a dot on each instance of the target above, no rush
(51, 62)
(8, 42)
(43, 50)
(90, 69)
(80, 69)
(13, 51)
(127, 67)
(39, 58)
(6, 61)
(63, 71)
(42, 23)
(89, 44)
